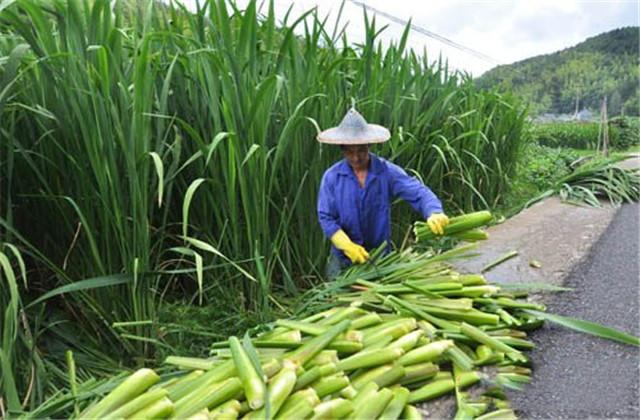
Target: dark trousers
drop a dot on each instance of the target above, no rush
(334, 266)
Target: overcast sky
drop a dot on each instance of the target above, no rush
(505, 30)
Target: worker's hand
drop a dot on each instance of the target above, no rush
(356, 253)
(437, 222)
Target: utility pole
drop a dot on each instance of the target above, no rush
(603, 132)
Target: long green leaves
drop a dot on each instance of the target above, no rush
(588, 327)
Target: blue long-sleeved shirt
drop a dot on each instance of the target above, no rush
(365, 213)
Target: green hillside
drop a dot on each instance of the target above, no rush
(577, 77)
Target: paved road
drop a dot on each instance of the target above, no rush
(578, 376)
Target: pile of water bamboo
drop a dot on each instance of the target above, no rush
(400, 331)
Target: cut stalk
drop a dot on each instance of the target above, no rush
(227, 411)
(299, 405)
(419, 372)
(200, 415)
(411, 413)
(456, 225)
(191, 363)
(372, 408)
(330, 384)
(314, 374)
(349, 392)
(307, 328)
(253, 384)
(137, 404)
(426, 353)
(182, 381)
(368, 375)
(396, 405)
(160, 409)
(482, 337)
(312, 347)
(366, 320)
(407, 341)
(500, 260)
(365, 393)
(322, 358)
(369, 358)
(502, 414)
(334, 409)
(217, 374)
(279, 389)
(208, 397)
(130, 388)
(440, 387)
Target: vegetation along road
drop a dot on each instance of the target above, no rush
(578, 375)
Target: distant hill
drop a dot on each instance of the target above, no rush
(577, 77)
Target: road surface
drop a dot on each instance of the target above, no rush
(578, 376)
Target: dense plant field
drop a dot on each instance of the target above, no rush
(624, 132)
(151, 154)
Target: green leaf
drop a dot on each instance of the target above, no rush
(588, 327)
(210, 248)
(534, 286)
(160, 172)
(88, 284)
(187, 203)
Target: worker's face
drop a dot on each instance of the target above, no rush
(357, 156)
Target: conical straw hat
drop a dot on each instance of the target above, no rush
(354, 130)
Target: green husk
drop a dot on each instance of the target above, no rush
(349, 392)
(160, 409)
(217, 374)
(439, 387)
(305, 327)
(300, 410)
(299, 405)
(367, 320)
(137, 404)
(482, 337)
(314, 374)
(312, 347)
(407, 341)
(191, 363)
(200, 415)
(323, 358)
(369, 375)
(411, 413)
(182, 381)
(419, 372)
(365, 393)
(279, 389)
(372, 408)
(227, 411)
(396, 405)
(369, 358)
(426, 353)
(129, 389)
(502, 414)
(334, 409)
(253, 385)
(208, 397)
(330, 384)
(457, 224)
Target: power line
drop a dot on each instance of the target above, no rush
(429, 33)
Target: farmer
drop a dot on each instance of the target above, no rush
(354, 202)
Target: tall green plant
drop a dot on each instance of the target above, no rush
(151, 151)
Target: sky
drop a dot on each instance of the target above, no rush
(498, 31)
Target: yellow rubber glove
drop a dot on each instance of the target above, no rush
(437, 222)
(356, 253)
